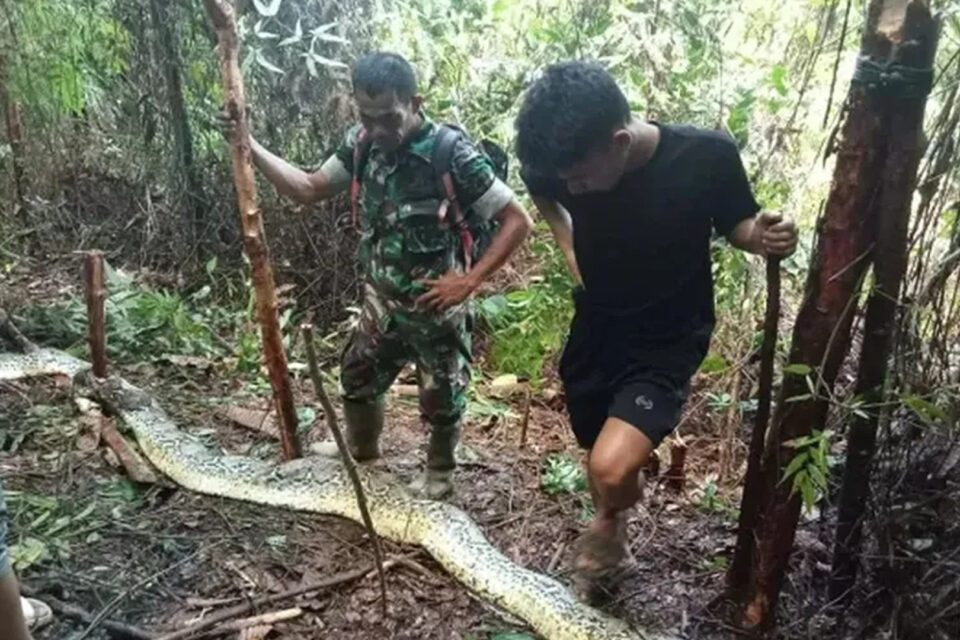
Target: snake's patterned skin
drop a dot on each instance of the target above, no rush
(320, 485)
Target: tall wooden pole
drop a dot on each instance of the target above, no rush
(254, 240)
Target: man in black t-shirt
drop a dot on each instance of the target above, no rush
(633, 206)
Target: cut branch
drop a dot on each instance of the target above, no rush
(96, 326)
(254, 240)
(348, 461)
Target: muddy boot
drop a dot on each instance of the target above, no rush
(436, 483)
(364, 425)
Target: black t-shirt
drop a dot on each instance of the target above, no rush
(643, 248)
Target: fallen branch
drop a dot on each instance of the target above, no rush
(244, 607)
(72, 612)
(138, 469)
(347, 458)
(255, 621)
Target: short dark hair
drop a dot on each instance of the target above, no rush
(568, 113)
(382, 71)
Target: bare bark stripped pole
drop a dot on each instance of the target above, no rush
(822, 331)
(752, 484)
(916, 45)
(254, 240)
(348, 462)
(96, 326)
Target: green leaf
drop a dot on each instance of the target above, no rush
(925, 409)
(306, 416)
(808, 494)
(713, 363)
(266, 64)
(511, 635)
(27, 553)
(267, 10)
(211, 266)
(327, 62)
(795, 465)
(296, 37)
(778, 79)
(797, 369)
(800, 398)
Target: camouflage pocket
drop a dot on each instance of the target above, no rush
(428, 246)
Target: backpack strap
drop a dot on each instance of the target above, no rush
(361, 148)
(442, 159)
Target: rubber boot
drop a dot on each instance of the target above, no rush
(436, 483)
(364, 426)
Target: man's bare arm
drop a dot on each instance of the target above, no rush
(295, 183)
(561, 225)
(453, 288)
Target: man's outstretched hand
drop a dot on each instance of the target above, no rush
(775, 234)
(447, 291)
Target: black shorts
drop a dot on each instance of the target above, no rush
(609, 369)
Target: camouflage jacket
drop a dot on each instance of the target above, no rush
(402, 240)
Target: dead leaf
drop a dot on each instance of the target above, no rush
(253, 419)
(88, 438)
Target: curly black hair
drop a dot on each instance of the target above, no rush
(382, 71)
(566, 114)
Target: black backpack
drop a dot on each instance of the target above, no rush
(475, 237)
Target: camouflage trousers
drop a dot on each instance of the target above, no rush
(390, 335)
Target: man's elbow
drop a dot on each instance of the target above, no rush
(521, 219)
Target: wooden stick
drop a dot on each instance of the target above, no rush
(263, 619)
(242, 608)
(254, 241)
(738, 575)
(95, 294)
(136, 467)
(526, 418)
(348, 461)
(73, 612)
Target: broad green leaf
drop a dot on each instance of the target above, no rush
(797, 369)
(809, 494)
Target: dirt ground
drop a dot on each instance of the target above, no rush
(158, 557)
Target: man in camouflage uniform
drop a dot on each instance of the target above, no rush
(417, 285)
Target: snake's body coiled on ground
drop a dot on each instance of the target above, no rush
(321, 485)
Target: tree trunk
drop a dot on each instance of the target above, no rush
(739, 573)
(899, 176)
(254, 240)
(11, 110)
(163, 17)
(822, 331)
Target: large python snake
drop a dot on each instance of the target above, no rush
(321, 485)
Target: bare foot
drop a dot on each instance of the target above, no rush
(602, 547)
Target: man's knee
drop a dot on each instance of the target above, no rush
(611, 469)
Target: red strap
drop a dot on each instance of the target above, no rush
(466, 238)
